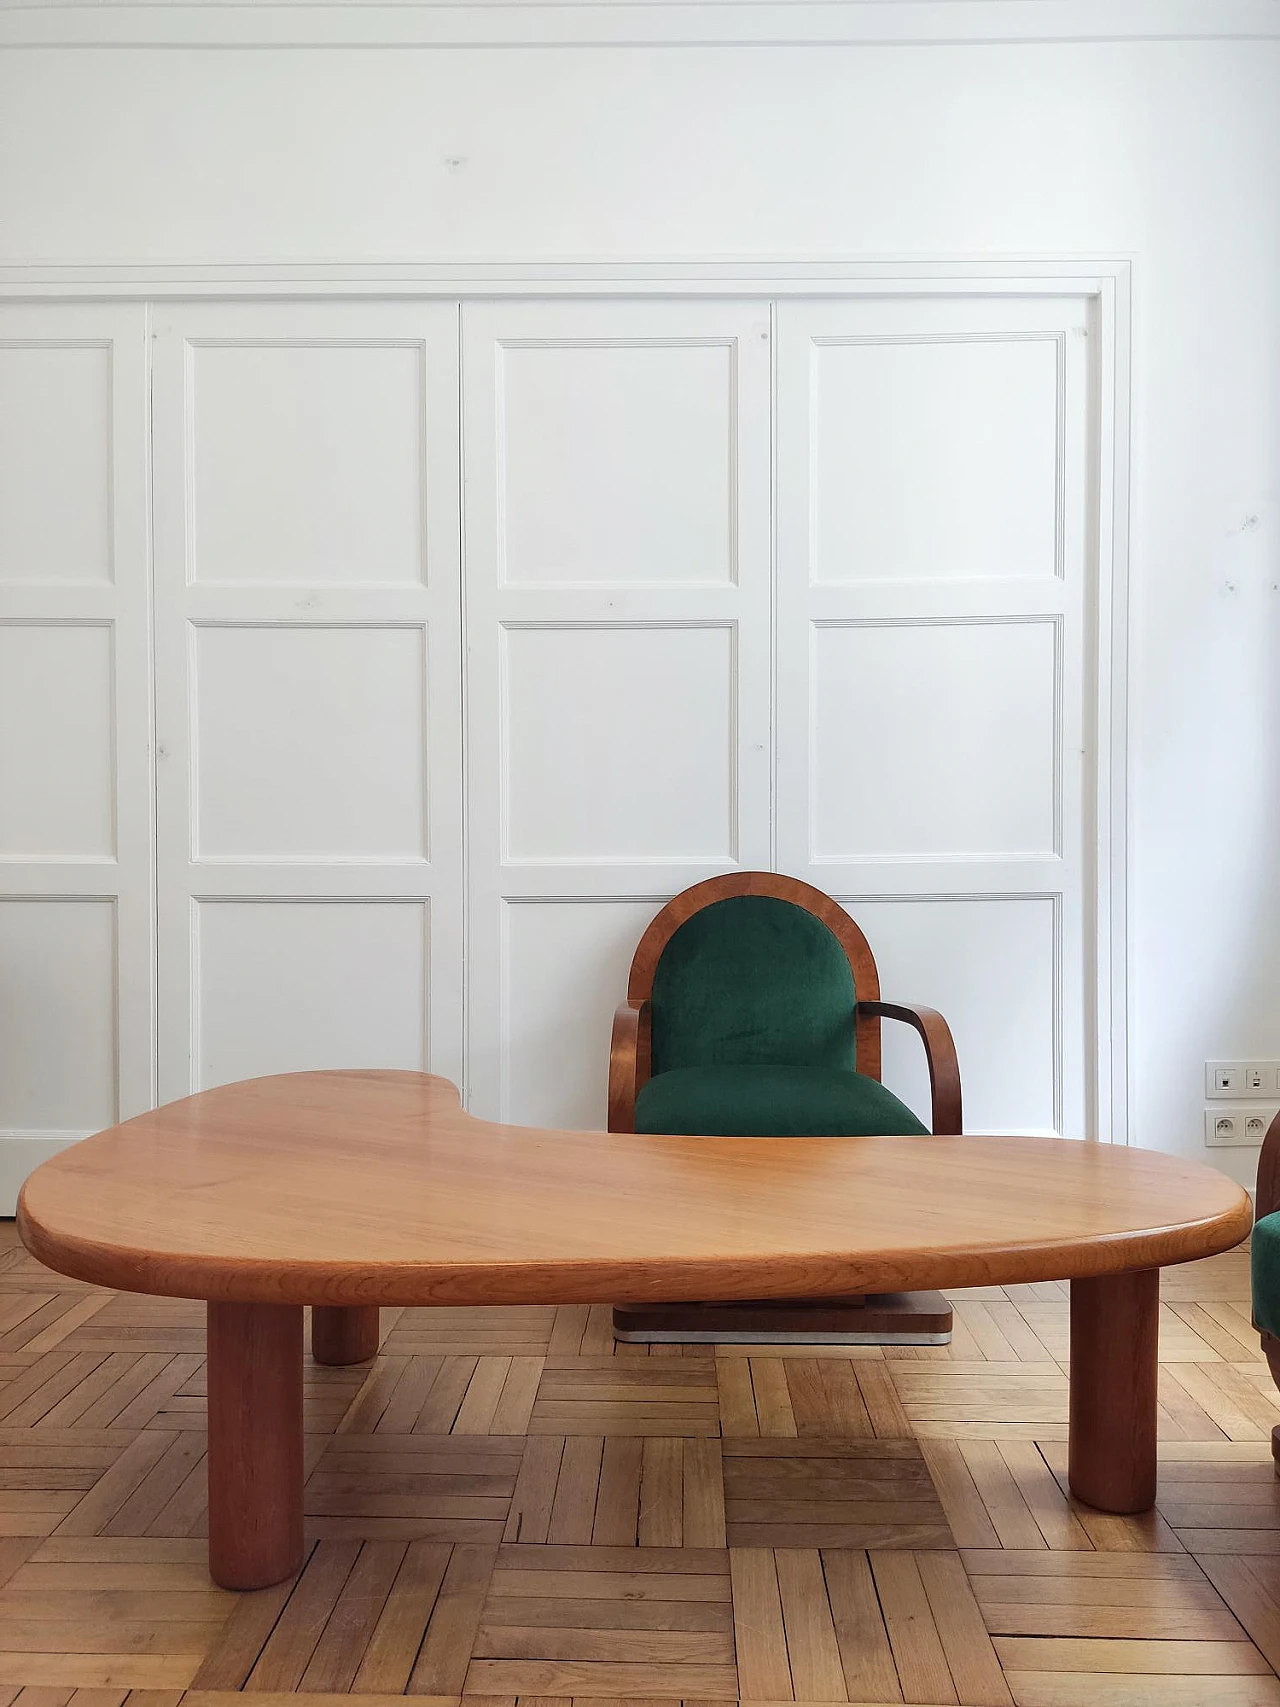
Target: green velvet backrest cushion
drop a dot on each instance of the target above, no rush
(1265, 1260)
(753, 981)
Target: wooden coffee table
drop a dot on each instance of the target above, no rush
(347, 1191)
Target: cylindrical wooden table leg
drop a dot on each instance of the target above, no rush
(345, 1333)
(255, 1443)
(1112, 1451)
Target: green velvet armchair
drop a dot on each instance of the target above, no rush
(1265, 1260)
(753, 1010)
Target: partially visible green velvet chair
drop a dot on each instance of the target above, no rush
(753, 1010)
(1265, 1260)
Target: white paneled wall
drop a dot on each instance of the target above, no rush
(308, 689)
(617, 520)
(76, 906)
(480, 629)
(935, 752)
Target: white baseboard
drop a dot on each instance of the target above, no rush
(21, 1153)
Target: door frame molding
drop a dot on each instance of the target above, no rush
(1107, 282)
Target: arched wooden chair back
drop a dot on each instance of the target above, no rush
(771, 886)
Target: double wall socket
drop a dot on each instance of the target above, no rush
(1226, 1079)
(1244, 1123)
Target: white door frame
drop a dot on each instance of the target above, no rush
(1107, 282)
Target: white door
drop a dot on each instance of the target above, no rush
(75, 723)
(308, 698)
(617, 515)
(934, 753)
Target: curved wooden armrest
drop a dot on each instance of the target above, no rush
(1266, 1197)
(940, 1052)
(629, 1058)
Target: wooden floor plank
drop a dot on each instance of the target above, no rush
(764, 1673)
(599, 1680)
(884, 1407)
(661, 1515)
(529, 1518)
(520, 1389)
(1012, 1519)
(1253, 1594)
(573, 1508)
(812, 1650)
(1067, 1689)
(1044, 1499)
(703, 1492)
(826, 1398)
(1118, 1654)
(288, 1649)
(443, 1659)
(866, 1655)
(617, 1512)
(772, 1396)
(346, 1635)
(387, 1662)
(91, 1514)
(961, 1500)
(736, 1396)
(975, 1667)
(918, 1651)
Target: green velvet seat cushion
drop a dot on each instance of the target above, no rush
(753, 981)
(770, 1102)
(1265, 1260)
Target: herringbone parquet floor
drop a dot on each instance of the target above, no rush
(507, 1508)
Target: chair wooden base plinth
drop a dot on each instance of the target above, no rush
(880, 1318)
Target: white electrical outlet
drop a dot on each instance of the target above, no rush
(1221, 1127)
(1238, 1124)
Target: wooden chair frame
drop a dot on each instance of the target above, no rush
(631, 1051)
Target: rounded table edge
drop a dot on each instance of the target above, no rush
(599, 1280)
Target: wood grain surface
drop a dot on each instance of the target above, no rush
(376, 1188)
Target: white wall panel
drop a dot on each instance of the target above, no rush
(308, 691)
(57, 740)
(935, 456)
(934, 739)
(585, 777)
(618, 617)
(58, 998)
(56, 429)
(936, 642)
(307, 461)
(76, 816)
(564, 971)
(990, 965)
(618, 461)
(310, 742)
(287, 986)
